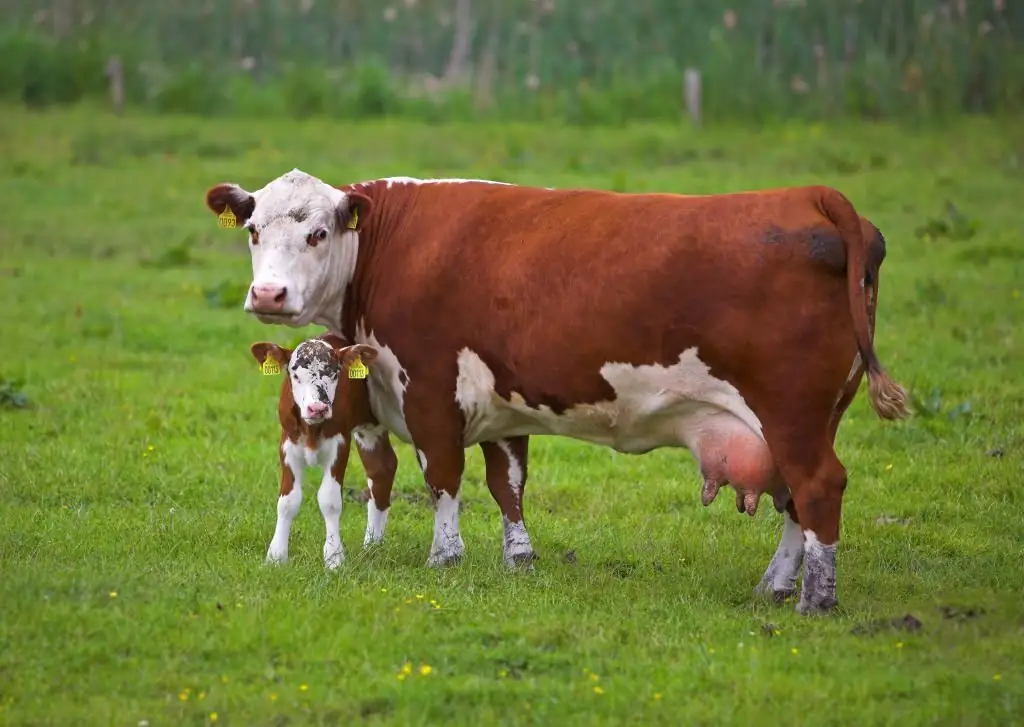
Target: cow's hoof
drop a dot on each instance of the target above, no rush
(816, 606)
(522, 561)
(444, 559)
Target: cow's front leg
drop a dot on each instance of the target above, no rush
(289, 499)
(334, 455)
(505, 461)
(380, 463)
(436, 428)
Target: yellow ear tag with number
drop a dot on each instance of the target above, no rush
(353, 223)
(357, 369)
(270, 367)
(226, 219)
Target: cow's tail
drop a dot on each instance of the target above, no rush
(888, 398)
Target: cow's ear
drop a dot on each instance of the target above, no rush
(353, 211)
(233, 197)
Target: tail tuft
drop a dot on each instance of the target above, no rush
(888, 399)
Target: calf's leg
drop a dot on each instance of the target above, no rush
(289, 499)
(505, 461)
(329, 498)
(380, 463)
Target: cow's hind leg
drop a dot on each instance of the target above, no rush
(817, 480)
(779, 579)
(505, 461)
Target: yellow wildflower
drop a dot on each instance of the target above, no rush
(426, 669)
(303, 687)
(598, 690)
(213, 716)
(795, 650)
(113, 594)
(657, 696)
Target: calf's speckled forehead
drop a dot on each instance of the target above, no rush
(315, 357)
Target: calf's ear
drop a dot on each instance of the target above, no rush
(261, 350)
(233, 197)
(361, 351)
(353, 211)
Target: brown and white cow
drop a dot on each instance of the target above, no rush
(321, 410)
(732, 325)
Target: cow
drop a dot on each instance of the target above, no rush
(734, 325)
(321, 408)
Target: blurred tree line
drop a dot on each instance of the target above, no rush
(585, 61)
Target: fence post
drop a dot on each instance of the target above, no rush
(691, 94)
(115, 72)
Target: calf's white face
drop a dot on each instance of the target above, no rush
(314, 370)
(304, 241)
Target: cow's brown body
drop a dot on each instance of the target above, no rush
(542, 290)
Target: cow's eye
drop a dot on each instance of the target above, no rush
(315, 237)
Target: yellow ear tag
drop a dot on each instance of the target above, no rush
(270, 367)
(226, 219)
(353, 223)
(357, 370)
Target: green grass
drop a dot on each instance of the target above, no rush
(144, 462)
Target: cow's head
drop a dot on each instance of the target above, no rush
(304, 240)
(314, 368)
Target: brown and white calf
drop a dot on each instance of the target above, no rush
(735, 326)
(320, 411)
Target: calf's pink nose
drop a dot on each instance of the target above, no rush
(316, 409)
(268, 298)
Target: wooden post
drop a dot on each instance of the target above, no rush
(115, 72)
(691, 94)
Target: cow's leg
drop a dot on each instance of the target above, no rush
(380, 462)
(506, 478)
(436, 431)
(779, 580)
(817, 480)
(289, 499)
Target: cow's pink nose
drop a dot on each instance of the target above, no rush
(268, 298)
(316, 409)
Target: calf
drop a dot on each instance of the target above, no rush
(320, 408)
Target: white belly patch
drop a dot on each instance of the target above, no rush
(654, 406)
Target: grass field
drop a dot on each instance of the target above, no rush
(138, 466)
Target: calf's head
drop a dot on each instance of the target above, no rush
(304, 241)
(314, 369)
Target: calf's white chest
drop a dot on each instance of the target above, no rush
(298, 456)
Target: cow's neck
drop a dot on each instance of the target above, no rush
(381, 224)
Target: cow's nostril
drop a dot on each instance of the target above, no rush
(281, 296)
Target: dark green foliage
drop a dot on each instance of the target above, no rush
(579, 61)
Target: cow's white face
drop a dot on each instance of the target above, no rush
(304, 241)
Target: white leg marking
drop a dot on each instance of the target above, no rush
(447, 547)
(516, 545)
(329, 498)
(376, 520)
(422, 460)
(779, 580)
(819, 587)
(368, 436)
(287, 505)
